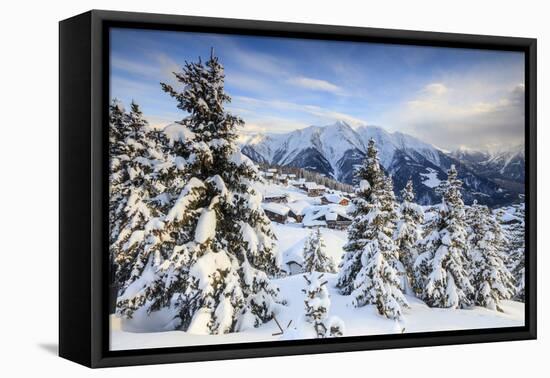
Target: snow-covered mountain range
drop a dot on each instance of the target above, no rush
(504, 166)
(334, 150)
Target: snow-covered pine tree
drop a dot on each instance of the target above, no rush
(367, 271)
(158, 238)
(117, 175)
(315, 255)
(217, 276)
(317, 305)
(390, 208)
(389, 204)
(368, 177)
(489, 276)
(131, 186)
(516, 247)
(440, 273)
(408, 232)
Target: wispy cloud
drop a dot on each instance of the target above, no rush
(435, 89)
(307, 113)
(267, 64)
(133, 67)
(448, 97)
(272, 124)
(332, 115)
(157, 67)
(248, 83)
(316, 84)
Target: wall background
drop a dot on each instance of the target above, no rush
(29, 189)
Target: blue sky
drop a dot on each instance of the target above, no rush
(448, 97)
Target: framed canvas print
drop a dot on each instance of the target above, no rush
(234, 188)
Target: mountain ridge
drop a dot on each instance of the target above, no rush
(336, 148)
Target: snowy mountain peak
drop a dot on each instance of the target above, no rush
(328, 147)
(340, 124)
(335, 149)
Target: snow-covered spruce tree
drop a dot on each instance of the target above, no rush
(368, 177)
(489, 276)
(440, 273)
(516, 250)
(117, 175)
(222, 247)
(390, 209)
(408, 231)
(117, 126)
(389, 204)
(317, 305)
(315, 255)
(131, 185)
(155, 242)
(367, 271)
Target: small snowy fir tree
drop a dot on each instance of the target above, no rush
(440, 270)
(315, 256)
(317, 306)
(489, 276)
(221, 246)
(516, 250)
(408, 232)
(367, 271)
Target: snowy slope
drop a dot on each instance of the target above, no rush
(153, 330)
(362, 321)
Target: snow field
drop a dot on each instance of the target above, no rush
(149, 331)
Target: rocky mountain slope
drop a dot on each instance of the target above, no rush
(334, 150)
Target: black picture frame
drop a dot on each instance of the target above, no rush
(83, 195)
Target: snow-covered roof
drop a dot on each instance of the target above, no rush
(300, 181)
(275, 195)
(273, 170)
(329, 212)
(299, 207)
(311, 185)
(334, 197)
(276, 208)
